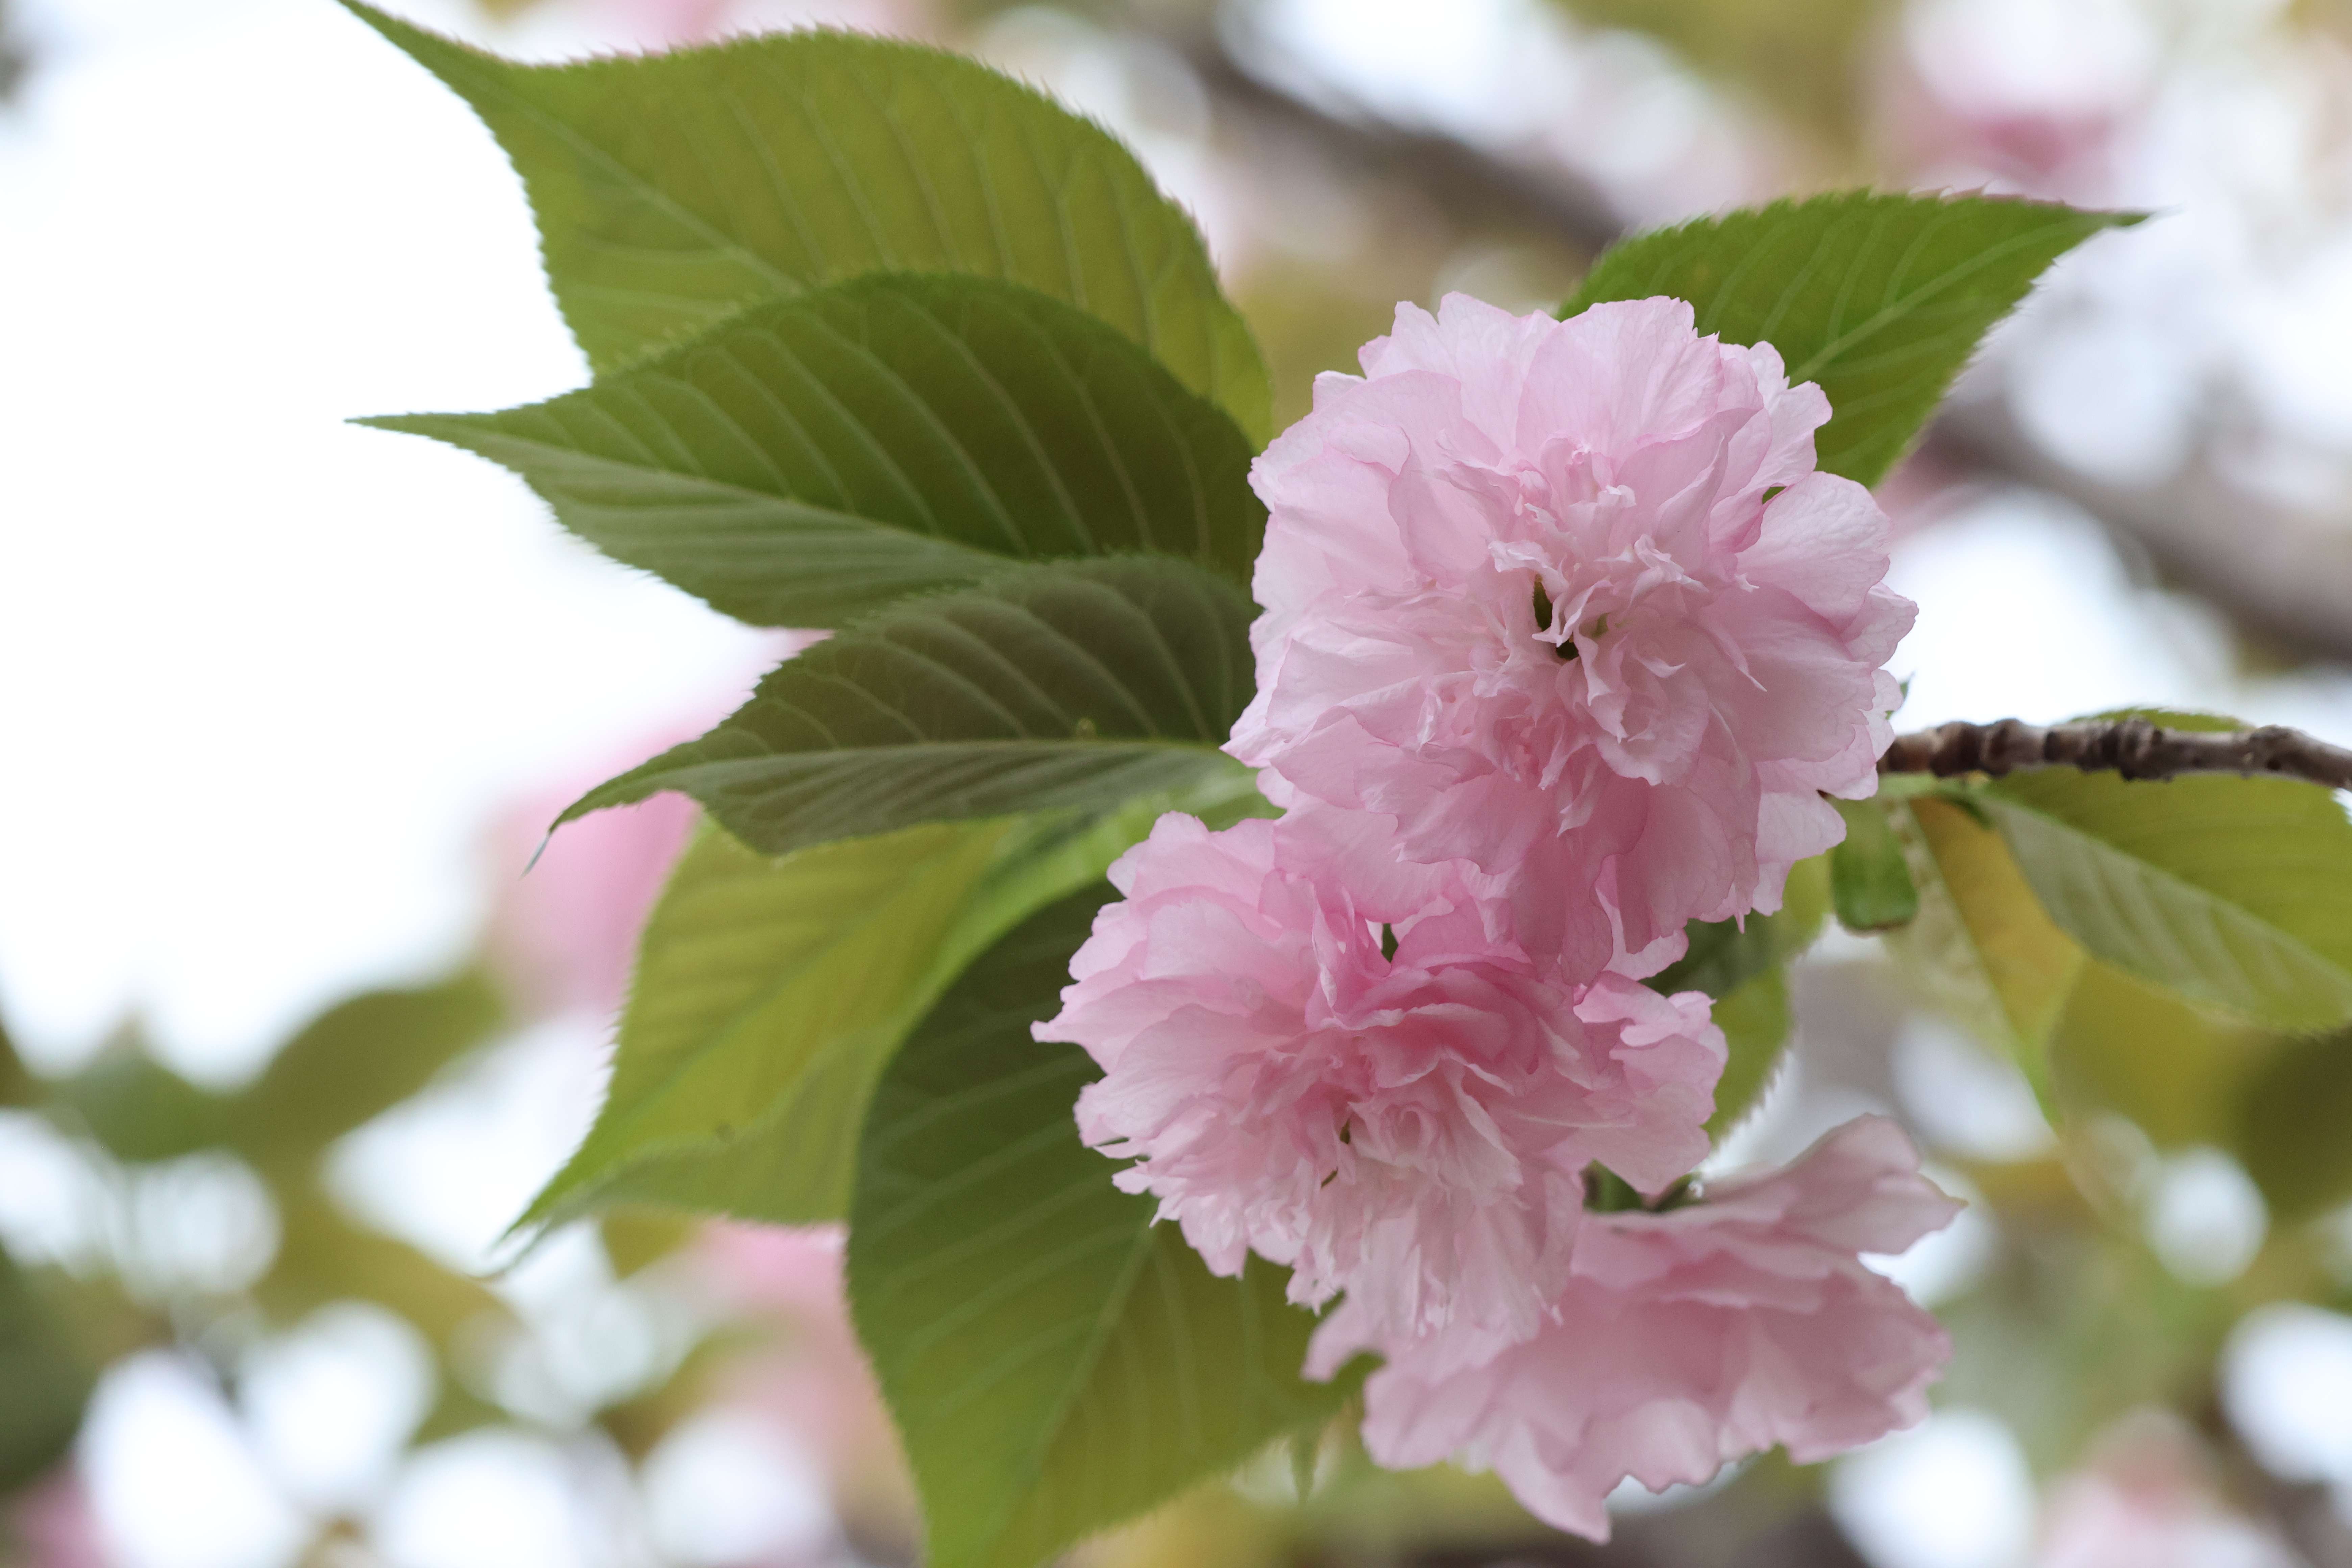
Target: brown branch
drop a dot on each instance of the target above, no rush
(2283, 572)
(1465, 181)
(2135, 748)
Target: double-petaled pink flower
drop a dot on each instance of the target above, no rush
(1568, 600)
(1684, 1339)
(1408, 1125)
(1564, 639)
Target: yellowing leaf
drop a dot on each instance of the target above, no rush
(2125, 1046)
(1981, 943)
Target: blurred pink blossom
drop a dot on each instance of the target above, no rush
(52, 1523)
(1409, 1128)
(2147, 1500)
(1526, 595)
(567, 930)
(2026, 96)
(815, 1380)
(1686, 1339)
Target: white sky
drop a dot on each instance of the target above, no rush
(268, 674)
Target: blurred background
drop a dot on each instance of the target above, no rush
(290, 1037)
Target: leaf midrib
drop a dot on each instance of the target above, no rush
(489, 79)
(1919, 299)
(1024, 1478)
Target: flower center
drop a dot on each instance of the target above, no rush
(1565, 648)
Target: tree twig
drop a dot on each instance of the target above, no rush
(2135, 748)
(1466, 181)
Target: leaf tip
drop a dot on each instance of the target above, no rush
(398, 29)
(436, 52)
(399, 423)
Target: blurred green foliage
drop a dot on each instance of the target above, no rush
(61, 1325)
(43, 1377)
(1805, 61)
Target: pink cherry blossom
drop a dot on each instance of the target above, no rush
(1410, 1129)
(1568, 600)
(1684, 1339)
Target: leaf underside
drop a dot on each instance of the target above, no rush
(1870, 880)
(770, 994)
(1879, 299)
(1982, 945)
(2235, 893)
(1056, 1362)
(672, 190)
(767, 997)
(2177, 1071)
(2290, 1122)
(815, 457)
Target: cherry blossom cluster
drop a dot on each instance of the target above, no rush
(1564, 639)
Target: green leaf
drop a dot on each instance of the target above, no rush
(672, 190)
(358, 1059)
(2180, 1073)
(44, 1381)
(806, 462)
(1879, 299)
(1726, 954)
(1982, 947)
(1056, 1362)
(1870, 883)
(747, 975)
(766, 996)
(1740, 964)
(1755, 1019)
(1067, 686)
(2292, 1127)
(2234, 893)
